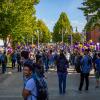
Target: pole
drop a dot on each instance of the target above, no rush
(38, 40)
(32, 39)
(27, 41)
(71, 43)
(62, 36)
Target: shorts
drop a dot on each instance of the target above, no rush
(97, 75)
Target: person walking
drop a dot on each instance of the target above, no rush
(45, 59)
(19, 61)
(62, 65)
(86, 65)
(0, 57)
(4, 62)
(13, 59)
(97, 70)
(77, 62)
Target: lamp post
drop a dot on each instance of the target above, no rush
(38, 38)
(62, 36)
(71, 40)
(32, 39)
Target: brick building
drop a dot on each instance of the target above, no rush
(94, 34)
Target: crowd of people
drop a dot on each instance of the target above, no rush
(35, 62)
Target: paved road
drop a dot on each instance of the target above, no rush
(11, 87)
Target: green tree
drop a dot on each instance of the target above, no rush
(77, 37)
(62, 26)
(44, 32)
(17, 18)
(91, 7)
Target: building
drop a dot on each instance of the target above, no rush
(94, 34)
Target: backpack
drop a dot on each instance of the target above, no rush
(42, 90)
(18, 56)
(78, 64)
(90, 60)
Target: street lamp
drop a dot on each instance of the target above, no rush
(62, 35)
(32, 39)
(37, 32)
(38, 38)
(70, 39)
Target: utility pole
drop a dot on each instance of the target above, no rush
(62, 36)
(71, 43)
(38, 38)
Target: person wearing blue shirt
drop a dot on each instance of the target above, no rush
(97, 68)
(86, 65)
(30, 90)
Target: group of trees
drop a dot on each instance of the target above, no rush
(63, 24)
(63, 27)
(18, 22)
(91, 7)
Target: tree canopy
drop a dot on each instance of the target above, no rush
(77, 37)
(62, 26)
(17, 18)
(44, 32)
(91, 7)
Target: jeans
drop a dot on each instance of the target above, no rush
(19, 66)
(13, 64)
(3, 67)
(82, 77)
(62, 82)
(46, 65)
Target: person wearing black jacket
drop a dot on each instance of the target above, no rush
(19, 61)
(62, 65)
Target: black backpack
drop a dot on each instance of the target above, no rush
(18, 56)
(78, 65)
(42, 90)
